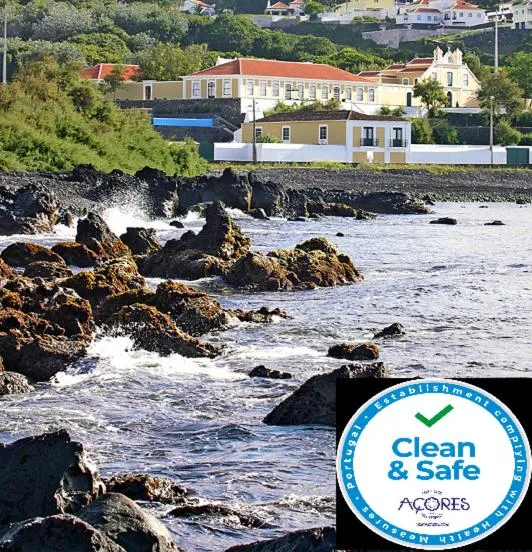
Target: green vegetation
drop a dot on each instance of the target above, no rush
(268, 139)
(396, 112)
(505, 135)
(281, 107)
(431, 94)
(51, 120)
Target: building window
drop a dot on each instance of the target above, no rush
(300, 91)
(466, 79)
(288, 91)
(434, 76)
(324, 134)
(367, 137)
(227, 87)
(262, 89)
(336, 93)
(324, 91)
(348, 94)
(429, 17)
(286, 135)
(360, 95)
(416, 81)
(371, 95)
(258, 132)
(405, 81)
(469, 14)
(196, 89)
(449, 79)
(211, 89)
(462, 14)
(251, 88)
(397, 138)
(147, 92)
(418, 17)
(275, 90)
(312, 91)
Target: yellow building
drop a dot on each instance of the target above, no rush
(348, 136)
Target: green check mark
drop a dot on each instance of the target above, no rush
(429, 422)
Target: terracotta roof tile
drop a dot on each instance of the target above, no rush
(279, 6)
(100, 71)
(280, 69)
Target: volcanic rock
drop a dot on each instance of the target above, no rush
(444, 220)
(141, 241)
(260, 316)
(315, 401)
(494, 223)
(47, 270)
(259, 214)
(45, 475)
(364, 351)
(390, 331)
(259, 272)
(76, 254)
(12, 383)
(218, 510)
(24, 253)
(263, 372)
(121, 520)
(308, 540)
(177, 224)
(98, 237)
(146, 487)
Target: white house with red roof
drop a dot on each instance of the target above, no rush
(442, 13)
(285, 9)
(98, 72)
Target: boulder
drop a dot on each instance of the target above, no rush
(97, 236)
(141, 241)
(218, 511)
(59, 533)
(66, 218)
(45, 475)
(177, 224)
(260, 273)
(331, 209)
(153, 330)
(12, 383)
(76, 254)
(263, 372)
(112, 277)
(146, 487)
(444, 220)
(72, 313)
(390, 331)
(29, 210)
(340, 235)
(5, 271)
(315, 401)
(209, 253)
(121, 520)
(24, 253)
(494, 223)
(308, 540)
(260, 316)
(47, 270)
(364, 351)
(390, 203)
(259, 214)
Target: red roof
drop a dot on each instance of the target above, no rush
(102, 70)
(428, 10)
(278, 6)
(465, 6)
(280, 69)
(421, 61)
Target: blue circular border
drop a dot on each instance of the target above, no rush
(402, 536)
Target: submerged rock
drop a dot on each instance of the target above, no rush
(218, 510)
(12, 383)
(259, 272)
(495, 223)
(364, 351)
(29, 210)
(76, 254)
(262, 315)
(263, 372)
(146, 487)
(98, 237)
(47, 270)
(45, 475)
(308, 540)
(24, 253)
(121, 520)
(444, 220)
(315, 401)
(155, 331)
(259, 214)
(141, 241)
(177, 224)
(59, 533)
(390, 331)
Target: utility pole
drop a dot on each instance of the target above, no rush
(4, 54)
(497, 40)
(254, 134)
(491, 129)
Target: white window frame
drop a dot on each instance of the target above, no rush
(313, 91)
(258, 132)
(326, 139)
(228, 88)
(450, 78)
(263, 89)
(196, 89)
(371, 95)
(360, 94)
(465, 80)
(324, 92)
(348, 93)
(300, 91)
(250, 88)
(276, 89)
(286, 141)
(213, 84)
(288, 91)
(405, 82)
(337, 93)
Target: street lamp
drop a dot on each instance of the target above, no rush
(491, 128)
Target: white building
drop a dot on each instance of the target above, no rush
(442, 13)
(522, 15)
(283, 9)
(198, 7)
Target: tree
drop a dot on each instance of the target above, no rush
(309, 46)
(114, 80)
(473, 62)
(505, 135)
(101, 48)
(396, 112)
(431, 94)
(187, 159)
(520, 69)
(421, 131)
(313, 8)
(443, 132)
(507, 96)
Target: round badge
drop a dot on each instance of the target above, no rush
(433, 464)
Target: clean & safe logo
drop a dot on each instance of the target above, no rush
(433, 464)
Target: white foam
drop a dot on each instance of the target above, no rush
(282, 351)
(118, 220)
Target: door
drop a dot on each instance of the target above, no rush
(397, 138)
(409, 99)
(367, 137)
(517, 156)
(449, 99)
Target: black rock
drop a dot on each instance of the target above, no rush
(12, 383)
(47, 270)
(263, 372)
(308, 540)
(364, 351)
(45, 475)
(315, 401)
(495, 223)
(177, 224)
(340, 234)
(390, 331)
(146, 487)
(141, 241)
(258, 214)
(218, 510)
(444, 220)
